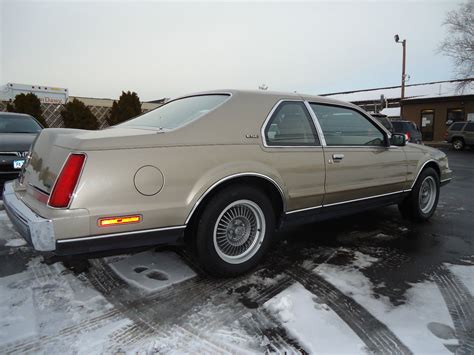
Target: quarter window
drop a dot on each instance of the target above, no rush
(346, 127)
(469, 127)
(291, 125)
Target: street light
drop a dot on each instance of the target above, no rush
(404, 45)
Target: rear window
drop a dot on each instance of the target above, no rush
(456, 126)
(177, 113)
(404, 127)
(399, 126)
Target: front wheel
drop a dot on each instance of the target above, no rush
(458, 144)
(234, 230)
(421, 204)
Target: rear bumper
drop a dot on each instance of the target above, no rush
(36, 230)
(39, 232)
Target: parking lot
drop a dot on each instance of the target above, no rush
(372, 282)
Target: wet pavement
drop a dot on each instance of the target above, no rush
(379, 251)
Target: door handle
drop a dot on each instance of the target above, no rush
(337, 157)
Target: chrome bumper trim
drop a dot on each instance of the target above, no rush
(36, 230)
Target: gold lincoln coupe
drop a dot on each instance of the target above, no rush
(219, 170)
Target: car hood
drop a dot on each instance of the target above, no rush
(16, 142)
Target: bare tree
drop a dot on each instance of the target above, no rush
(459, 44)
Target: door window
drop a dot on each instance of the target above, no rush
(469, 127)
(291, 125)
(346, 127)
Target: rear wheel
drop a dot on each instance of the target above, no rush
(458, 144)
(421, 204)
(234, 230)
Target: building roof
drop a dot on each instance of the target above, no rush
(415, 91)
(391, 111)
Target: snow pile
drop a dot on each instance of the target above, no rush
(283, 307)
(313, 323)
(17, 242)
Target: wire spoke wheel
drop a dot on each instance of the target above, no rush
(427, 195)
(239, 231)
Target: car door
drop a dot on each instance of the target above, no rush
(292, 146)
(359, 165)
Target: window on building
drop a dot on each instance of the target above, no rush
(454, 115)
(291, 125)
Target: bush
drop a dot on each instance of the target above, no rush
(29, 104)
(77, 115)
(128, 106)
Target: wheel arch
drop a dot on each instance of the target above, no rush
(428, 164)
(267, 184)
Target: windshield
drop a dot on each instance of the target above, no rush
(18, 124)
(177, 113)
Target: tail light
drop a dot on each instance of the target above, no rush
(407, 136)
(67, 181)
(446, 134)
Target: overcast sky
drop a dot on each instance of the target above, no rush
(165, 49)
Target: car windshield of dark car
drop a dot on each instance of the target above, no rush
(18, 124)
(178, 112)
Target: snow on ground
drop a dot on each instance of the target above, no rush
(152, 271)
(410, 321)
(318, 328)
(17, 242)
(54, 310)
(465, 274)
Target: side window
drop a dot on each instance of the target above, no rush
(469, 127)
(344, 126)
(456, 126)
(291, 125)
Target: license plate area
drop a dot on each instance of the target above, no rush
(18, 164)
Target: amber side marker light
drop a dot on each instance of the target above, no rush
(114, 221)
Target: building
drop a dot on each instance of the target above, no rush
(53, 101)
(46, 94)
(432, 106)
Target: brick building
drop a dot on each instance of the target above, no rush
(432, 106)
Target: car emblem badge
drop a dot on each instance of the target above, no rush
(251, 136)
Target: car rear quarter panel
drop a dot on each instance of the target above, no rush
(106, 187)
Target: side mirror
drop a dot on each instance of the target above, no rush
(399, 140)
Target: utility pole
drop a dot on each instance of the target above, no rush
(404, 45)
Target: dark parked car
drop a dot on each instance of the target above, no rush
(461, 134)
(409, 129)
(17, 132)
(384, 120)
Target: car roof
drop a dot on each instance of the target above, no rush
(277, 95)
(12, 114)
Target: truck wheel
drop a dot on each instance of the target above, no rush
(420, 205)
(234, 231)
(458, 144)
